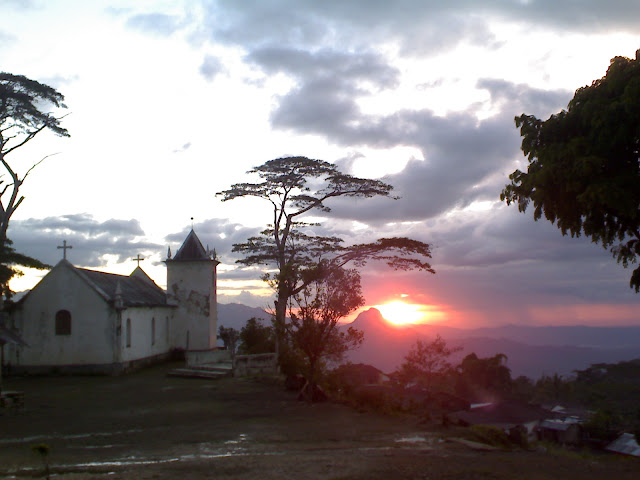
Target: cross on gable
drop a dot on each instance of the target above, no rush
(64, 248)
(138, 259)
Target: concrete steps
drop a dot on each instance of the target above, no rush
(210, 371)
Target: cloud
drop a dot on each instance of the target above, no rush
(22, 4)
(246, 298)
(211, 67)
(92, 240)
(218, 234)
(419, 27)
(541, 103)
(7, 39)
(155, 23)
(183, 148)
(465, 159)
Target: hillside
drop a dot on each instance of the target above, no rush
(531, 351)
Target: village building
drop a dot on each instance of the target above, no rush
(77, 320)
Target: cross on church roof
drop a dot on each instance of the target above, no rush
(64, 248)
(138, 259)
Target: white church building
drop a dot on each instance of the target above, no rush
(77, 320)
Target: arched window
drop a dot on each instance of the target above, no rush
(153, 331)
(63, 322)
(128, 332)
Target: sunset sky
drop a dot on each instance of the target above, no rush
(170, 102)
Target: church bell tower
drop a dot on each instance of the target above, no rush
(191, 287)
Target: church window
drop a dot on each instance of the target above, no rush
(63, 322)
(128, 332)
(167, 329)
(153, 331)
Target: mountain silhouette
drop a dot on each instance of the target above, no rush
(531, 351)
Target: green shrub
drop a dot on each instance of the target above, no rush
(490, 435)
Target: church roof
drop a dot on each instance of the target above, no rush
(191, 250)
(135, 290)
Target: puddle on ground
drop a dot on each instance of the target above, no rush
(415, 439)
(52, 436)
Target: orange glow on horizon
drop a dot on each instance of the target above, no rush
(400, 313)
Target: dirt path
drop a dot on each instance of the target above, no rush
(150, 426)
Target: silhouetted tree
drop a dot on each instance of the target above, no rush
(584, 169)
(229, 337)
(256, 338)
(332, 294)
(484, 378)
(22, 118)
(427, 363)
(295, 186)
(9, 259)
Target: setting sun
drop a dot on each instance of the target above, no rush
(399, 313)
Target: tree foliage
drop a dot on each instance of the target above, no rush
(256, 338)
(315, 334)
(229, 337)
(427, 363)
(9, 259)
(485, 379)
(295, 186)
(584, 171)
(22, 118)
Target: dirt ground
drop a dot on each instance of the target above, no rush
(150, 426)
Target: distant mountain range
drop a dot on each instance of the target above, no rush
(235, 315)
(531, 351)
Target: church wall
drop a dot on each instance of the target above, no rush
(191, 286)
(145, 340)
(92, 323)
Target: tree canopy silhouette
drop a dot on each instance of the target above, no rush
(584, 170)
(22, 117)
(295, 186)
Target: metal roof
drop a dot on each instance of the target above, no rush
(626, 444)
(135, 290)
(191, 250)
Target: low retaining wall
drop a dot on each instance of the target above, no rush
(201, 357)
(264, 363)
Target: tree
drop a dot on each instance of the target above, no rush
(295, 186)
(332, 294)
(484, 378)
(256, 338)
(9, 258)
(21, 119)
(584, 170)
(427, 362)
(229, 337)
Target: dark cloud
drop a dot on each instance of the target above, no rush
(328, 64)
(461, 153)
(540, 103)
(418, 26)
(211, 67)
(218, 234)
(91, 239)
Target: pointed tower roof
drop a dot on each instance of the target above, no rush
(191, 250)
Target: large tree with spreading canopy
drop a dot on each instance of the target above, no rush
(22, 116)
(295, 186)
(584, 164)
